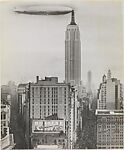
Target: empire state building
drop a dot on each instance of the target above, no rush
(72, 52)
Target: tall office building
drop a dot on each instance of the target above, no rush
(72, 52)
(21, 97)
(74, 119)
(110, 93)
(48, 112)
(110, 114)
(89, 80)
(48, 97)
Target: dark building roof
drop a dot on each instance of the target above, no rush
(53, 117)
(22, 85)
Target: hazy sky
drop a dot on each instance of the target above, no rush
(34, 45)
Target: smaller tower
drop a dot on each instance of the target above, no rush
(89, 80)
(109, 74)
(104, 78)
(110, 93)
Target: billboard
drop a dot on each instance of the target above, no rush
(52, 126)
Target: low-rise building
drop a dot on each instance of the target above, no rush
(7, 141)
(110, 129)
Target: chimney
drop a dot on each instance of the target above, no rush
(37, 79)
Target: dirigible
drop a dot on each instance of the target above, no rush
(43, 10)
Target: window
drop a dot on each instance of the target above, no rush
(44, 110)
(55, 142)
(56, 91)
(56, 109)
(52, 110)
(4, 124)
(40, 101)
(56, 100)
(40, 112)
(44, 101)
(48, 94)
(40, 91)
(48, 110)
(32, 91)
(65, 100)
(44, 92)
(48, 100)
(42, 141)
(33, 101)
(32, 111)
(65, 110)
(3, 116)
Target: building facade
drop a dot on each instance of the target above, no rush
(7, 140)
(74, 116)
(89, 82)
(48, 107)
(110, 93)
(5, 117)
(48, 97)
(110, 114)
(21, 97)
(110, 129)
(72, 52)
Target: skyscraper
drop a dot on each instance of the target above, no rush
(89, 80)
(72, 52)
(47, 105)
(110, 93)
(110, 114)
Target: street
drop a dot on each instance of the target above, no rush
(16, 128)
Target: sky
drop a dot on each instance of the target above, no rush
(35, 45)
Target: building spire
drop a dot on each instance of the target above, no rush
(104, 78)
(72, 18)
(109, 74)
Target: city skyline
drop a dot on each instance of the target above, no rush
(62, 74)
(27, 52)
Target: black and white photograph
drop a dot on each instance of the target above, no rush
(62, 74)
